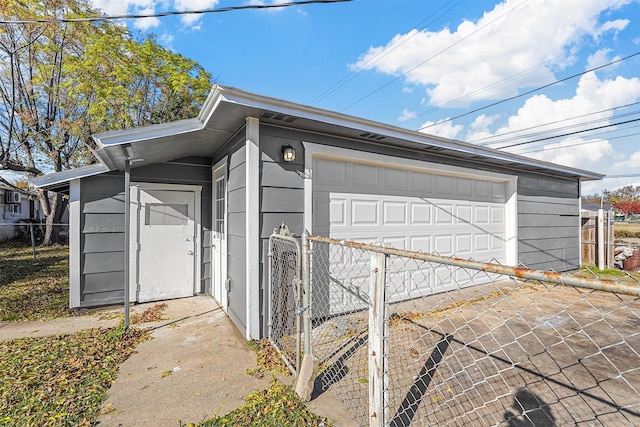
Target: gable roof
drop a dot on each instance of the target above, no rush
(226, 109)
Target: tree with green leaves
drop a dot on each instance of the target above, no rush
(60, 82)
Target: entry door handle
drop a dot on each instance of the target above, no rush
(190, 252)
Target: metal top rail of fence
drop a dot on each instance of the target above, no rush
(410, 338)
(518, 272)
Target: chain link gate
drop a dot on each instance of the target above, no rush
(284, 327)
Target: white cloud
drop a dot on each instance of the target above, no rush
(600, 58)
(146, 23)
(186, 5)
(407, 115)
(519, 41)
(617, 26)
(578, 153)
(632, 163)
(444, 130)
(592, 95)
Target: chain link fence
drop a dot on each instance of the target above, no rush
(28, 235)
(405, 338)
(284, 328)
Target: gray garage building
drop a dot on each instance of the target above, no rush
(206, 193)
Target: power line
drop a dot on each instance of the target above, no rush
(562, 128)
(547, 124)
(529, 92)
(537, 150)
(567, 134)
(631, 175)
(169, 13)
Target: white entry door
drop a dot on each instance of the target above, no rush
(166, 235)
(219, 233)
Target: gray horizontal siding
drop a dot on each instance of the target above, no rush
(102, 239)
(103, 282)
(548, 223)
(103, 224)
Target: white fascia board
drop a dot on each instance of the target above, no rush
(311, 113)
(127, 136)
(52, 179)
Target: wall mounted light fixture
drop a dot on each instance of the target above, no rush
(288, 153)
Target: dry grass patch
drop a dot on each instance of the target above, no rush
(61, 380)
(34, 289)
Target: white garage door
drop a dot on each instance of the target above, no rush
(405, 209)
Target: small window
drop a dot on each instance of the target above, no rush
(166, 214)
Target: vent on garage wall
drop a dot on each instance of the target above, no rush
(279, 117)
(370, 135)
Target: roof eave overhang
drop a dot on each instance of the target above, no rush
(393, 132)
(111, 147)
(59, 181)
(226, 108)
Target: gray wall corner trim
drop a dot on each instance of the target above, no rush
(252, 227)
(74, 244)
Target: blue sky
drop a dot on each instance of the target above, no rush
(414, 63)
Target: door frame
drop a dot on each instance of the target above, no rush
(317, 151)
(221, 293)
(134, 239)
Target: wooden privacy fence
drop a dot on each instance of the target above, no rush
(595, 240)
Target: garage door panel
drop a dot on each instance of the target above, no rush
(443, 244)
(463, 214)
(331, 173)
(421, 183)
(481, 214)
(499, 191)
(420, 213)
(399, 242)
(425, 212)
(338, 213)
(395, 179)
(394, 213)
(497, 214)
(463, 246)
(481, 242)
(482, 189)
(420, 243)
(443, 214)
(497, 242)
(364, 213)
(365, 177)
(464, 187)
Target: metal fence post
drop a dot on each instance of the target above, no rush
(306, 293)
(33, 240)
(377, 339)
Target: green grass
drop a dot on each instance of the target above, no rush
(592, 272)
(61, 380)
(274, 407)
(33, 289)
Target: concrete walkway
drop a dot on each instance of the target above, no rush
(193, 367)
